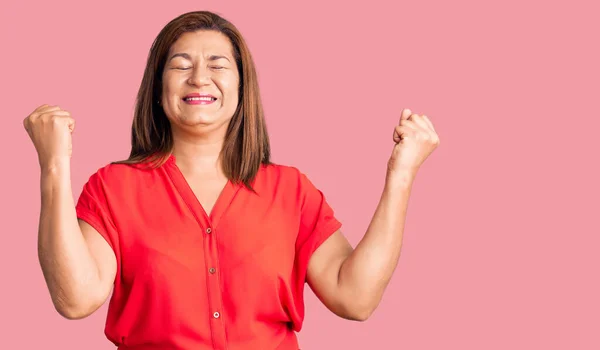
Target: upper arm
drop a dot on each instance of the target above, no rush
(323, 272)
(105, 259)
(321, 249)
(99, 231)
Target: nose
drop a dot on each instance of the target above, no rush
(199, 76)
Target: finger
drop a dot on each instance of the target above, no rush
(419, 120)
(405, 114)
(71, 124)
(41, 110)
(45, 108)
(401, 132)
(41, 107)
(416, 130)
(428, 122)
(26, 122)
(68, 121)
(59, 113)
(27, 125)
(411, 124)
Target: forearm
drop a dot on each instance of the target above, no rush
(365, 274)
(69, 269)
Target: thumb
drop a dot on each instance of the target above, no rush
(405, 114)
(71, 124)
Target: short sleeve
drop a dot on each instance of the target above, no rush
(92, 207)
(317, 223)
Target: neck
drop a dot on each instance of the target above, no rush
(199, 155)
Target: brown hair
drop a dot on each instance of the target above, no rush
(246, 144)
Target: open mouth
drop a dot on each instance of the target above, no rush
(203, 98)
(196, 100)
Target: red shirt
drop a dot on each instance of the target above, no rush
(186, 280)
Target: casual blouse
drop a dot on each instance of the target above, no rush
(233, 279)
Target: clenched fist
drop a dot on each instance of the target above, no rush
(50, 128)
(415, 139)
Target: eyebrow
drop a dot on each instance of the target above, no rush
(188, 57)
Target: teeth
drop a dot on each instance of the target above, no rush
(199, 99)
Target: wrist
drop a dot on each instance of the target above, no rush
(400, 178)
(56, 165)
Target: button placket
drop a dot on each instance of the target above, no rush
(210, 248)
(212, 279)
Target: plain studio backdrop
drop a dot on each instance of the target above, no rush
(502, 238)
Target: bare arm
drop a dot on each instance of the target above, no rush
(351, 282)
(79, 266)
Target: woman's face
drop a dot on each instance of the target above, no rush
(200, 82)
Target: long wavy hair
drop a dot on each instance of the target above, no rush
(246, 145)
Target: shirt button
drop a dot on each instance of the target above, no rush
(212, 270)
(208, 230)
(216, 315)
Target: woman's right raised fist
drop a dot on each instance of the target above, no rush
(50, 128)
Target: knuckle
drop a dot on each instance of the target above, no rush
(55, 119)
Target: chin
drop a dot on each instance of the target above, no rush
(203, 120)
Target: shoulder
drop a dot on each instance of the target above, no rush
(275, 173)
(118, 175)
(287, 179)
(111, 172)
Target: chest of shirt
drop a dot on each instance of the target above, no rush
(165, 234)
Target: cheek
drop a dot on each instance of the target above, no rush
(171, 87)
(229, 87)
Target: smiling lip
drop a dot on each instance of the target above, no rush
(199, 99)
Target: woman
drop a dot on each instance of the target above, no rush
(202, 240)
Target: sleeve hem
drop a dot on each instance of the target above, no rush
(89, 217)
(310, 247)
(324, 234)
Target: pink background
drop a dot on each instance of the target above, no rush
(502, 238)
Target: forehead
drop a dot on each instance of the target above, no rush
(203, 42)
